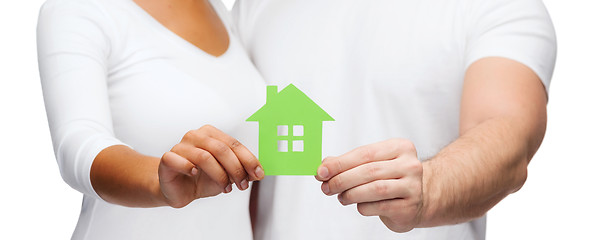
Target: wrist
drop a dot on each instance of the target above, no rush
(154, 189)
(430, 197)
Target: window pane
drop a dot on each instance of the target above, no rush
(298, 130)
(298, 146)
(283, 145)
(282, 130)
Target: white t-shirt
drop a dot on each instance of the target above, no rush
(111, 74)
(382, 69)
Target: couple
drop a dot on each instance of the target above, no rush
(440, 106)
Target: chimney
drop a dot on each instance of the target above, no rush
(271, 92)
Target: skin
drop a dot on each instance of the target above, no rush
(194, 20)
(205, 162)
(502, 124)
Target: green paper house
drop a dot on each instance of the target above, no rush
(290, 132)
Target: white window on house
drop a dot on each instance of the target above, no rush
(283, 130)
(298, 146)
(283, 146)
(298, 130)
(290, 138)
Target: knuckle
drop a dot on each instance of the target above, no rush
(406, 144)
(336, 183)
(373, 171)
(251, 162)
(201, 155)
(223, 179)
(248, 163)
(218, 147)
(415, 166)
(191, 134)
(234, 144)
(366, 153)
(206, 127)
(334, 165)
(339, 166)
(380, 188)
(176, 148)
(239, 173)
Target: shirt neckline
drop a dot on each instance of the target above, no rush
(178, 39)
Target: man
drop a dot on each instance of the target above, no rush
(439, 107)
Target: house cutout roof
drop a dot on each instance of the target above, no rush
(289, 105)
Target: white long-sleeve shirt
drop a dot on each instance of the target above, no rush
(382, 69)
(112, 74)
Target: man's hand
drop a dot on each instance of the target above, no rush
(502, 123)
(384, 179)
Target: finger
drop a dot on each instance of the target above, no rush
(380, 208)
(363, 174)
(223, 154)
(171, 161)
(385, 150)
(226, 157)
(204, 161)
(399, 215)
(246, 158)
(375, 191)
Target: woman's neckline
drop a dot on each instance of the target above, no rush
(180, 40)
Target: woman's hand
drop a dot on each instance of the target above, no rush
(384, 179)
(205, 163)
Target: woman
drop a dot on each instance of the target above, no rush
(124, 82)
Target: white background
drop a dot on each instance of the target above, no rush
(554, 203)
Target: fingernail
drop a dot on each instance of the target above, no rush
(244, 184)
(326, 188)
(194, 171)
(323, 172)
(228, 188)
(340, 198)
(259, 172)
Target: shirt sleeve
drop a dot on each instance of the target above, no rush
(73, 48)
(520, 30)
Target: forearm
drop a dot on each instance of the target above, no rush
(125, 177)
(502, 124)
(472, 174)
